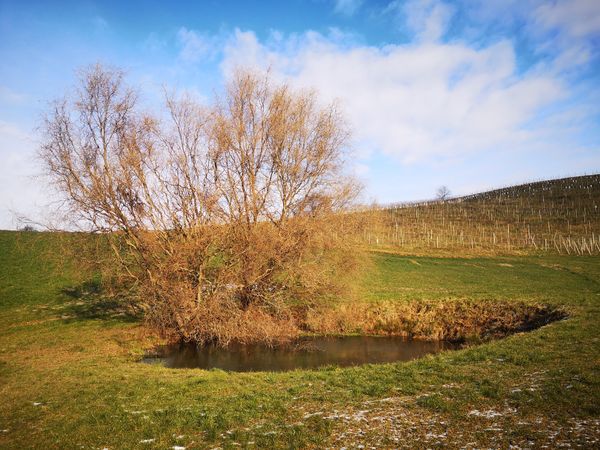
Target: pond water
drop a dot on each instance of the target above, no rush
(306, 353)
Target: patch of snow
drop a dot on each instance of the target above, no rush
(435, 436)
(489, 414)
(360, 414)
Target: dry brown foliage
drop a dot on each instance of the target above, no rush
(223, 218)
(452, 320)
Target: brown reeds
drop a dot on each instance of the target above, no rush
(452, 319)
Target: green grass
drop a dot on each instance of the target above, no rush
(69, 376)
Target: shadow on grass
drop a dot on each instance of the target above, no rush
(90, 302)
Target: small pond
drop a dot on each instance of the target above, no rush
(306, 353)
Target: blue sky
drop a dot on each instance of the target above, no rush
(468, 94)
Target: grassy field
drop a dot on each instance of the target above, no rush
(69, 376)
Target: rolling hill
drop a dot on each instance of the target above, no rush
(560, 215)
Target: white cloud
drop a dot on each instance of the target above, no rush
(154, 42)
(563, 31)
(243, 49)
(568, 29)
(100, 23)
(577, 18)
(415, 102)
(18, 194)
(427, 19)
(196, 46)
(9, 133)
(9, 96)
(347, 7)
(360, 169)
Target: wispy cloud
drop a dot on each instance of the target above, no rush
(347, 7)
(576, 18)
(100, 23)
(11, 97)
(17, 192)
(427, 19)
(154, 42)
(196, 46)
(564, 32)
(570, 29)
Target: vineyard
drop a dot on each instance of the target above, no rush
(560, 216)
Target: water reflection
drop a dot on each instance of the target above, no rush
(304, 354)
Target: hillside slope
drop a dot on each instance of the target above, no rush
(559, 215)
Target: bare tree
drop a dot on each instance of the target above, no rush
(219, 215)
(442, 193)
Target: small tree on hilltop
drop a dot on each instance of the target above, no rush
(442, 193)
